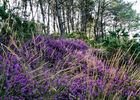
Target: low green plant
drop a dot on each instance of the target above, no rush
(91, 42)
(77, 35)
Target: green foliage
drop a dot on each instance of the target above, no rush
(91, 42)
(25, 29)
(77, 35)
(136, 50)
(119, 38)
(14, 24)
(112, 33)
(119, 32)
(69, 36)
(55, 35)
(111, 44)
(80, 35)
(136, 35)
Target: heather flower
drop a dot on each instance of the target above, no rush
(40, 72)
(1, 57)
(0, 67)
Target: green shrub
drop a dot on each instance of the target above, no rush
(77, 35)
(119, 38)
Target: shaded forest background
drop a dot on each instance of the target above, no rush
(93, 18)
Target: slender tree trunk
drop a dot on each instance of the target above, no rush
(24, 9)
(48, 25)
(72, 15)
(54, 20)
(83, 16)
(102, 31)
(96, 22)
(102, 13)
(61, 24)
(31, 8)
(38, 14)
(63, 8)
(68, 21)
(104, 28)
(78, 22)
(57, 24)
(36, 11)
(42, 11)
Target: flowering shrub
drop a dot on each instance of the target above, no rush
(98, 81)
(51, 50)
(12, 79)
(47, 68)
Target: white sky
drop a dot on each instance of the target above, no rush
(136, 5)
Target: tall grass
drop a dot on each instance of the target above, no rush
(65, 70)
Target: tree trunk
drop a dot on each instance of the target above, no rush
(83, 16)
(96, 22)
(42, 11)
(54, 19)
(58, 29)
(25, 9)
(77, 24)
(104, 29)
(43, 15)
(68, 21)
(102, 14)
(61, 24)
(48, 25)
(72, 14)
(63, 8)
(31, 8)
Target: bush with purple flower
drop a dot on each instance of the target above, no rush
(63, 69)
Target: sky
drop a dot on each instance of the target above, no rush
(136, 5)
